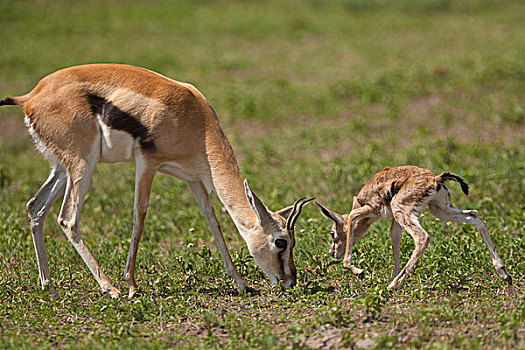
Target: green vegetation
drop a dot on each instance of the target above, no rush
(315, 97)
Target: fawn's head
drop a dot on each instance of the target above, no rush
(338, 230)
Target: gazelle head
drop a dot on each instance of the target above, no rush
(338, 230)
(272, 240)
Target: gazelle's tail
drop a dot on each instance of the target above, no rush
(8, 101)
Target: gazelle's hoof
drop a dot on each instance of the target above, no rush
(113, 292)
(248, 291)
(241, 284)
(130, 281)
(394, 284)
(358, 272)
(54, 295)
(52, 292)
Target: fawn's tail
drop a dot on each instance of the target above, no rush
(448, 176)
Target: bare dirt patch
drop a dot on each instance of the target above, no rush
(402, 321)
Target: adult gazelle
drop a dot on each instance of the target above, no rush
(83, 115)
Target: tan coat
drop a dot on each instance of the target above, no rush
(83, 115)
(400, 194)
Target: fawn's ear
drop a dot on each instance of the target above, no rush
(330, 214)
(355, 203)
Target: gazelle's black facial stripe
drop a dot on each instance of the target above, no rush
(117, 119)
(281, 259)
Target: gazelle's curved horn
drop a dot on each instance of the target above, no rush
(289, 220)
(297, 207)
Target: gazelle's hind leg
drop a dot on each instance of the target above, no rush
(395, 235)
(407, 219)
(202, 197)
(144, 174)
(37, 209)
(446, 212)
(357, 216)
(79, 179)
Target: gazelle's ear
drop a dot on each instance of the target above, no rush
(285, 212)
(355, 203)
(257, 205)
(332, 215)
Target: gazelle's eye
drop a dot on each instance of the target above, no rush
(281, 243)
(332, 233)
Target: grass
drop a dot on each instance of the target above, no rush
(315, 98)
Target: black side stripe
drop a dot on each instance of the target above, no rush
(117, 119)
(394, 189)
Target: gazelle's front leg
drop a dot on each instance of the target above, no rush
(202, 197)
(472, 217)
(144, 175)
(395, 235)
(37, 209)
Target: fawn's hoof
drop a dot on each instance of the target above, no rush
(356, 271)
(509, 279)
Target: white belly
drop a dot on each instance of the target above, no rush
(116, 145)
(176, 170)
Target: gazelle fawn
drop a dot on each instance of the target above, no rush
(400, 194)
(83, 115)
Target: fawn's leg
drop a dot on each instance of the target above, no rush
(395, 235)
(449, 213)
(409, 221)
(357, 216)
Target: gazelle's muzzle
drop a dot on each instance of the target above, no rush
(288, 274)
(288, 280)
(291, 279)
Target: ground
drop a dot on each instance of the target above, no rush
(315, 98)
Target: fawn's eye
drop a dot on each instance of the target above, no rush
(332, 233)
(281, 243)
